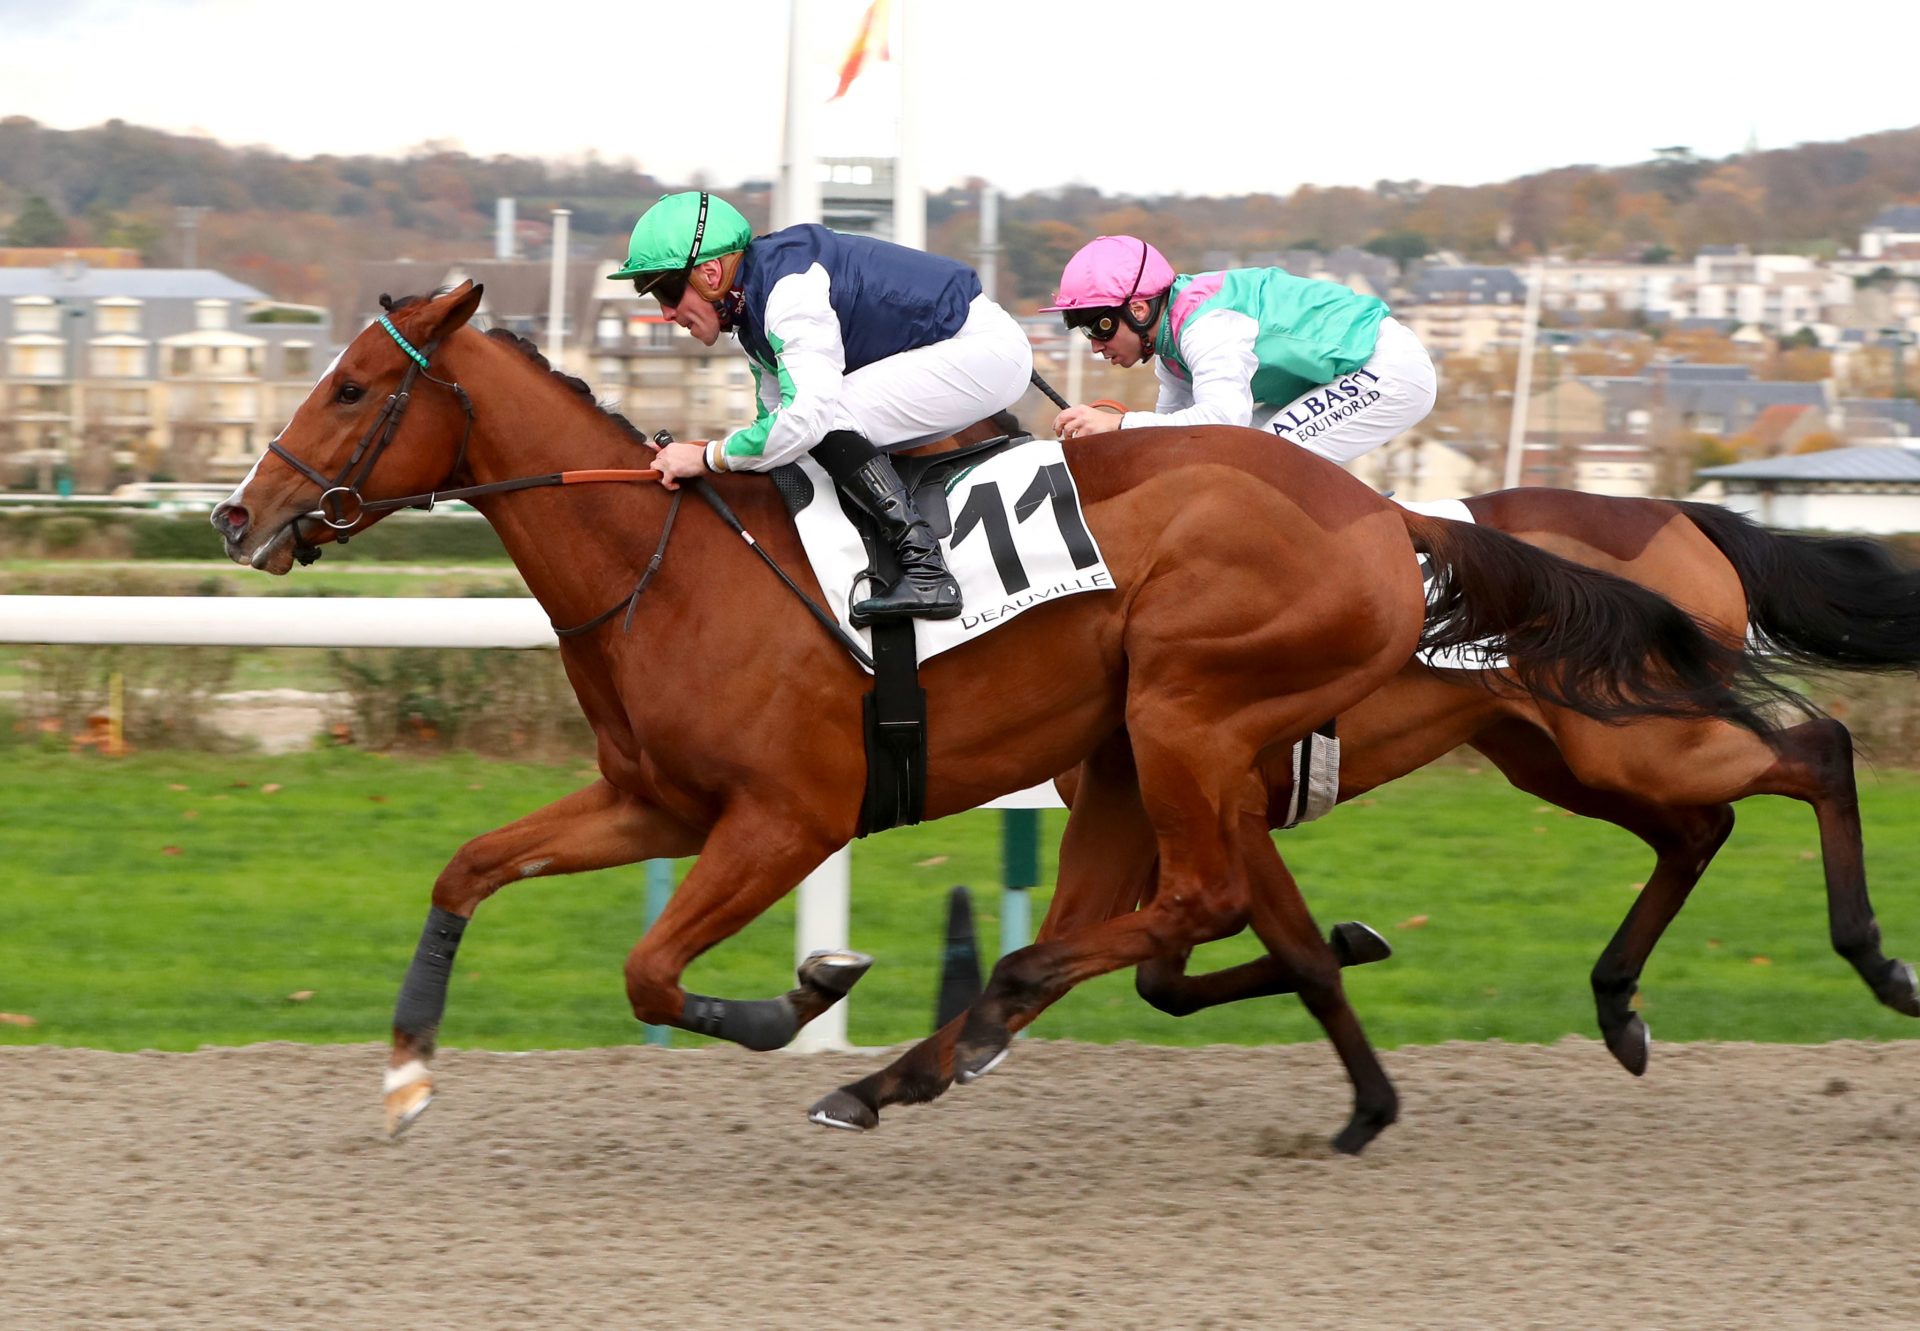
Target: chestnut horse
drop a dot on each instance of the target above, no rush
(1820, 602)
(1259, 590)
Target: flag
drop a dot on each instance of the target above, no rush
(872, 39)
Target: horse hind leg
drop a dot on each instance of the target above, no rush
(1281, 919)
(594, 828)
(1107, 867)
(1815, 764)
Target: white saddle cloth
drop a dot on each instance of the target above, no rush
(1018, 540)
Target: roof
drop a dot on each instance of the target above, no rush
(1900, 217)
(137, 283)
(1865, 463)
(1899, 410)
(1770, 427)
(515, 288)
(1681, 371)
(1473, 283)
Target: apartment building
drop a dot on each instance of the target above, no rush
(112, 375)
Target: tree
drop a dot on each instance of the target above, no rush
(37, 224)
(1401, 246)
(1676, 169)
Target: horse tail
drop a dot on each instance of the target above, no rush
(1576, 637)
(1840, 602)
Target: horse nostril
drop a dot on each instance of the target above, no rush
(230, 518)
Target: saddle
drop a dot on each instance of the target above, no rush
(895, 709)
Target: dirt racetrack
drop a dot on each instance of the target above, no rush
(1736, 1186)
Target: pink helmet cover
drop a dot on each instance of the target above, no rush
(1109, 271)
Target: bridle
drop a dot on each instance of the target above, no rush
(344, 489)
(336, 492)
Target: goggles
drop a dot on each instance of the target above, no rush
(1094, 325)
(670, 287)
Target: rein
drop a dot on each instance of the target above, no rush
(332, 510)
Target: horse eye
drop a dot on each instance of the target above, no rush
(349, 393)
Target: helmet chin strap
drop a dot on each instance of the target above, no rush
(1144, 329)
(727, 301)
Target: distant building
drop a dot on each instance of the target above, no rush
(112, 375)
(1417, 467)
(656, 373)
(1864, 489)
(1465, 310)
(1892, 228)
(516, 295)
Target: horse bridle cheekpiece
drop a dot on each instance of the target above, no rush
(342, 506)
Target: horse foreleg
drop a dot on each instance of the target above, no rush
(594, 828)
(1107, 864)
(751, 860)
(1164, 983)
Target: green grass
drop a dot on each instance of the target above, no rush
(110, 938)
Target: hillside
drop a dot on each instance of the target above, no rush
(296, 227)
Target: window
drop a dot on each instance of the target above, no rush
(660, 335)
(180, 361)
(118, 362)
(208, 314)
(117, 316)
(298, 360)
(35, 314)
(35, 362)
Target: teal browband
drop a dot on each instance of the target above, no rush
(405, 345)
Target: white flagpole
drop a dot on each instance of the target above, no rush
(1523, 379)
(798, 197)
(909, 196)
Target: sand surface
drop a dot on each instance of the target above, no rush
(1079, 1186)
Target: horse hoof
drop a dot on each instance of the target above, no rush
(834, 972)
(970, 1073)
(1901, 991)
(406, 1104)
(1630, 1045)
(1357, 944)
(844, 1111)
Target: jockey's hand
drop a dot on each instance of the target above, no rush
(675, 462)
(1077, 421)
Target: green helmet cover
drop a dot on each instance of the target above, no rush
(663, 238)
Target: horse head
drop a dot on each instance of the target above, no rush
(344, 449)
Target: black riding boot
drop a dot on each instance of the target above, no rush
(925, 589)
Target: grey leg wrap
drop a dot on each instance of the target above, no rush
(423, 995)
(760, 1023)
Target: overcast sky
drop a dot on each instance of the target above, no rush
(1198, 97)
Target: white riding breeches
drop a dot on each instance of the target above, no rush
(1391, 393)
(930, 392)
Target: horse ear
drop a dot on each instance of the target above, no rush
(446, 315)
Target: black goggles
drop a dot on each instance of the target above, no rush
(669, 287)
(1095, 325)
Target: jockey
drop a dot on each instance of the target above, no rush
(1314, 362)
(857, 346)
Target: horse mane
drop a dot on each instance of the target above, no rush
(532, 353)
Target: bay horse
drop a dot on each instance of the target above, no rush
(1258, 591)
(1828, 603)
